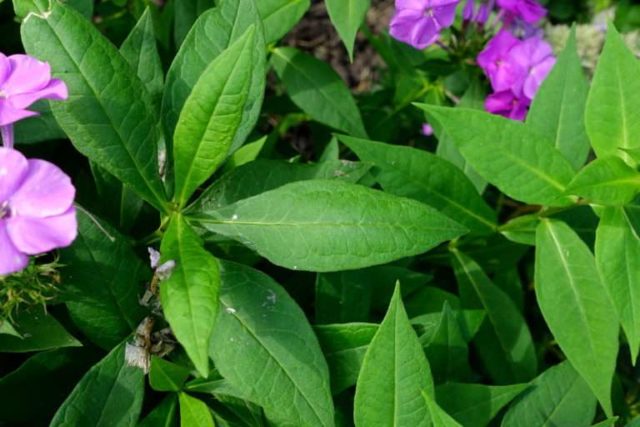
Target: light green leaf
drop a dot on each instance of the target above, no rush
(331, 225)
(420, 175)
(280, 16)
(265, 348)
(190, 295)
(617, 252)
(607, 181)
(347, 16)
(344, 345)
(103, 280)
(141, 52)
(163, 415)
(504, 341)
(109, 115)
(194, 412)
(245, 154)
(37, 331)
(263, 175)
(576, 306)
(212, 116)
(317, 90)
(214, 31)
(439, 418)
(510, 155)
(476, 404)
(7, 328)
(110, 394)
(394, 374)
(24, 7)
(558, 108)
(166, 376)
(558, 397)
(613, 106)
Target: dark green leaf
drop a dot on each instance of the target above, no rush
(166, 376)
(37, 331)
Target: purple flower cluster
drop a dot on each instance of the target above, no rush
(36, 198)
(419, 22)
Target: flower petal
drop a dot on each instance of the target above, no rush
(38, 235)
(9, 114)
(45, 191)
(11, 259)
(411, 4)
(5, 68)
(27, 75)
(56, 89)
(13, 168)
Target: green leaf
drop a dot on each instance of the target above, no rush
(420, 175)
(194, 412)
(141, 52)
(559, 397)
(331, 225)
(263, 175)
(617, 252)
(24, 7)
(394, 373)
(576, 306)
(32, 393)
(510, 155)
(317, 90)
(212, 115)
(344, 346)
(166, 376)
(439, 418)
(37, 331)
(7, 328)
(447, 349)
(109, 116)
(476, 404)
(280, 16)
(111, 393)
(190, 295)
(214, 31)
(347, 16)
(245, 154)
(504, 341)
(186, 13)
(607, 181)
(40, 128)
(613, 105)
(103, 280)
(264, 346)
(163, 415)
(558, 109)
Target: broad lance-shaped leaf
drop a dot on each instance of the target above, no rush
(109, 115)
(316, 88)
(190, 295)
(476, 404)
(103, 280)
(212, 115)
(576, 306)
(214, 31)
(167, 376)
(194, 412)
(557, 111)
(617, 253)
(420, 175)
(503, 341)
(265, 348)
(607, 181)
(510, 155)
(394, 374)
(279, 16)
(141, 52)
(110, 394)
(613, 106)
(558, 397)
(325, 225)
(347, 16)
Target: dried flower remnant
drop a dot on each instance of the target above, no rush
(36, 209)
(419, 22)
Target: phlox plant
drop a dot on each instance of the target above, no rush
(202, 223)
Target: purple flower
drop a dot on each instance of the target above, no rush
(535, 57)
(530, 11)
(469, 10)
(427, 129)
(507, 104)
(23, 81)
(419, 22)
(36, 209)
(496, 62)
